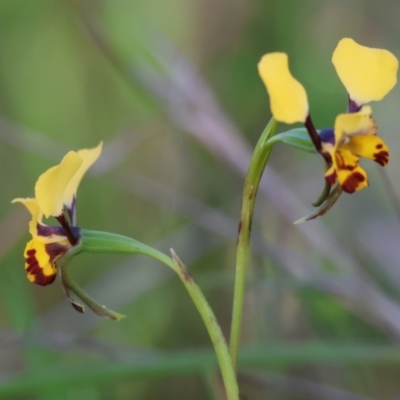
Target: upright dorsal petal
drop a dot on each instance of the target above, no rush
(89, 157)
(368, 74)
(52, 185)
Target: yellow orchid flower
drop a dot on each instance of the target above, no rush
(55, 196)
(354, 137)
(368, 75)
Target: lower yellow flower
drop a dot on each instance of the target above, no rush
(354, 136)
(55, 196)
(40, 260)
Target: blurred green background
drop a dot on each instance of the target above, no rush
(171, 87)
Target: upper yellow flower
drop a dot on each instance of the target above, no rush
(368, 75)
(354, 137)
(55, 196)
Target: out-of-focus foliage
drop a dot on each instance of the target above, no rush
(171, 86)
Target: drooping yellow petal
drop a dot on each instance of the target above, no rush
(89, 157)
(29, 203)
(51, 186)
(288, 97)
(38, 263)
(369, 146)
(37, 228)
(368, 74)
(360, 123)
(350, 175)
(33, 208)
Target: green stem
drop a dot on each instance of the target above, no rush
(253, 178)
(214, 330)
(104, 242)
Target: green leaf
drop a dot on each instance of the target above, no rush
(323, 196)
(182, 363)
(298, 138)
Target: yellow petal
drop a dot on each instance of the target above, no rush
(29, 203)
(288, 97)
(369, 146)
(350, 175)
(368, 74)
(38, 263)
(360, 123)
(57, 187)
(89, 157)
(37, 228)
(33, 208)
(352, 181)
(51, 186)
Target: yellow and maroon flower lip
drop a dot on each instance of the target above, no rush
(355, 136)
(368, 75)
(55, 196)
(40, 260)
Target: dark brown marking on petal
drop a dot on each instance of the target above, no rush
(352, 182)
(56, 250)
(48, 231)
(379, 146)
(42, 279)
(31, 262)
(331, 179)
(33, 267)
(382, 157)
(342, 162)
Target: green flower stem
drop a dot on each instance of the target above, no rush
(214, 330)
(253, 178)
(104, 242)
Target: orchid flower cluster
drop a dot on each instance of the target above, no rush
(367, 74)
